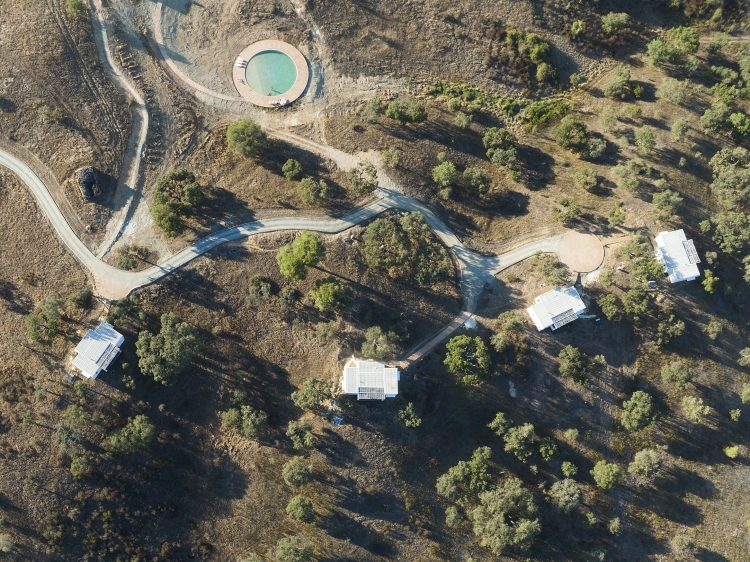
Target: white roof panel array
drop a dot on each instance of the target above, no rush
(370, 380)
(678, 255)
(556, 308)
(97, 350)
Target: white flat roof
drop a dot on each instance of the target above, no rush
(678, 255)
(369, 379)
(97, 350)
(556, 308)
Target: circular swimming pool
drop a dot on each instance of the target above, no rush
(271, 73)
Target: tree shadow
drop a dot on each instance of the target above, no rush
(538, 166)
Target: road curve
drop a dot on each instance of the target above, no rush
(113, 283)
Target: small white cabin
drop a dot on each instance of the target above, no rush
(97, 350)
(678, 256)
(556, 308)
(370, 380)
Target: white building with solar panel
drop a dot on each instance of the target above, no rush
(97, 350)
(678, 255)
(556, 308)
(370, 380)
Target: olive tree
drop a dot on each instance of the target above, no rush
(606, 475)
(307, 250)
(295, 473)
(520, 441)
(640, 411)
(406, 110)
(468, 358)
(695, 409)
(328, 294)
(312, 392)
(312, 192)
(614, 22)
(363, 177)
(137, 435)
(571, 133)
(666, 205)
(564, 495)
(677, 374)
(167, 354)
(505, 519)
(646, 463)
(300, 432)
(301, 509)
(645, 140)
(289, 549)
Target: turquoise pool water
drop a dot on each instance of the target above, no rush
(270, 73)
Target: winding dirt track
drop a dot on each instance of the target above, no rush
(112, 283)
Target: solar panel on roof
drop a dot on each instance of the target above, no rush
(564, 318)
(369, 393)
(691, 251)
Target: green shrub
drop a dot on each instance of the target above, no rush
(569, 469)
(406, 110)
(137, 435)
(467, 358)
(541, 112)
(176, 196)
(246, 138)
(614, 22)
(547, 448)
(453, 517)
(82, 297)
(586, 178)
(640, 411)
(307, 250)
(6, 543)
(300, 432)
(409, 416)
(75, 8)
(328, 294)
(619, 84)
(291, 169)
(646, 463)
(565, 209)
(666, 205)
(576, 365)
(312, 393)
(564, 495)
(300, 508)
(259, 292)
(732, 452)
(295, 473)
(246, 421)
(289, 549)
(391, 156)
(606, 475)
(312, 192)
(167, 354)
(571, 133)
(462, 121)
(130, 255)
(362, 178)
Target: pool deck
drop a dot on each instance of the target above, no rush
(247, 93)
